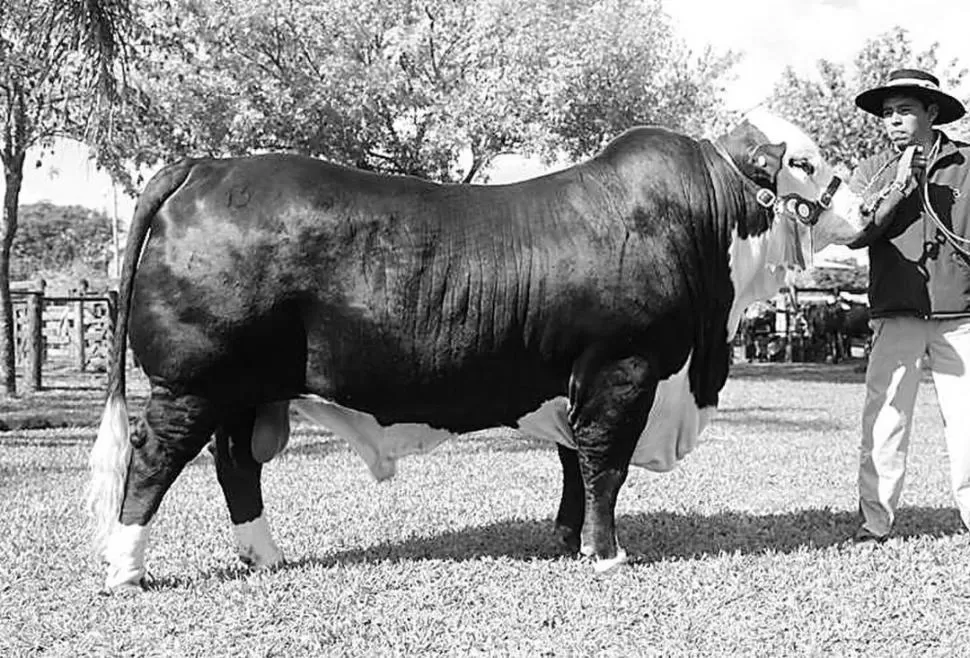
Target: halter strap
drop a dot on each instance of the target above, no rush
(765, 197)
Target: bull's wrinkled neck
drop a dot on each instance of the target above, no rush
(734, 194)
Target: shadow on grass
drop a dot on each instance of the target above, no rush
(822, 421)
(849, 372)
(649, 538)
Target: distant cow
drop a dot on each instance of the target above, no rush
(593, 306)
(833, 324)
(757, 329)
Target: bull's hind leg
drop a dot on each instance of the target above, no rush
(239, 476)
(607, 418)
(569, 519)
(174, 430)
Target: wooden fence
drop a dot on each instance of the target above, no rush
(73, 330)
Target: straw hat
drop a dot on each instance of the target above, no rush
(924, 84)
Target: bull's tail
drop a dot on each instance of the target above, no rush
(109, 465)
(112, 449)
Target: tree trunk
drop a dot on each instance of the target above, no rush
(14, 176)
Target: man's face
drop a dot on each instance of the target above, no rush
(907, 120)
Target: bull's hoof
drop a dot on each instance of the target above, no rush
(569, 537)
(259, 562)
(610, 565)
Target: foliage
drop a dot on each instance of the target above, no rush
(824, 104)
(856, 278)
(620, 64)
(434, 89)
(55, 58)
(58, 77)
(57, 238)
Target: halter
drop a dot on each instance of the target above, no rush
(794, 206)
(805, 211)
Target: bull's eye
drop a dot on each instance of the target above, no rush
(802, 163)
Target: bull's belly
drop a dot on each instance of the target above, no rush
(671, 432)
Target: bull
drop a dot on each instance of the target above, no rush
(592, 306)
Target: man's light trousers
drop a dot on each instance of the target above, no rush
(892, 379)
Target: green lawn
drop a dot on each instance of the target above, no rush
(739, 551)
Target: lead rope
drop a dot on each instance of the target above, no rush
(954, 238)
(924, 193)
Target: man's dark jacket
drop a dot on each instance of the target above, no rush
(914, 269)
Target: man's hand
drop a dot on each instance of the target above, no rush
(910, 167)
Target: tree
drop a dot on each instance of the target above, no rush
(60, 240)
(434, 88)
(825, 104)
(620, 64)
(853, 277)
(58, 78)
(400, 86)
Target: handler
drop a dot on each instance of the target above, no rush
(918, 197)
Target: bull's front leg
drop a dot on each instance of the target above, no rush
(610, 409)
(572, 505)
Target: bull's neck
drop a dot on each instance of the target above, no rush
(733, 194)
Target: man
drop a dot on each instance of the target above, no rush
(918, 197)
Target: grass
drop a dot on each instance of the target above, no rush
(739, 551)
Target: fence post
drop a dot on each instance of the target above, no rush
(35, 337)
(79, 338)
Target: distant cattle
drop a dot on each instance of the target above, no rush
(593, 307)
(758, 332)
(833, 325)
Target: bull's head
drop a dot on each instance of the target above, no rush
(758, 160)
(816, 206)
(812, 209)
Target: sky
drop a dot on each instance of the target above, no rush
(773, 34)
(770, 34)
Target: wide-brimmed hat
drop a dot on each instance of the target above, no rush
(924, 84)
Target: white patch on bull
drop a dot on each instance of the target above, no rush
(753, 280)
(271, 431)
(670, 434)
(380, 447)
(125, 555)
(549, 422)
(673, 426)
(255, 545)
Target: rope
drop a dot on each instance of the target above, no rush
(924, 193)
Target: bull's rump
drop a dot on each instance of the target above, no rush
(460, 306)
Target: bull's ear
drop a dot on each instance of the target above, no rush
(767, 160)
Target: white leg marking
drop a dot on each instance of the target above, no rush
(603, 565)
(125, 554)
(255, 545)
(607, 565)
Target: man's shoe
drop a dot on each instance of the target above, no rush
(864, 535)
